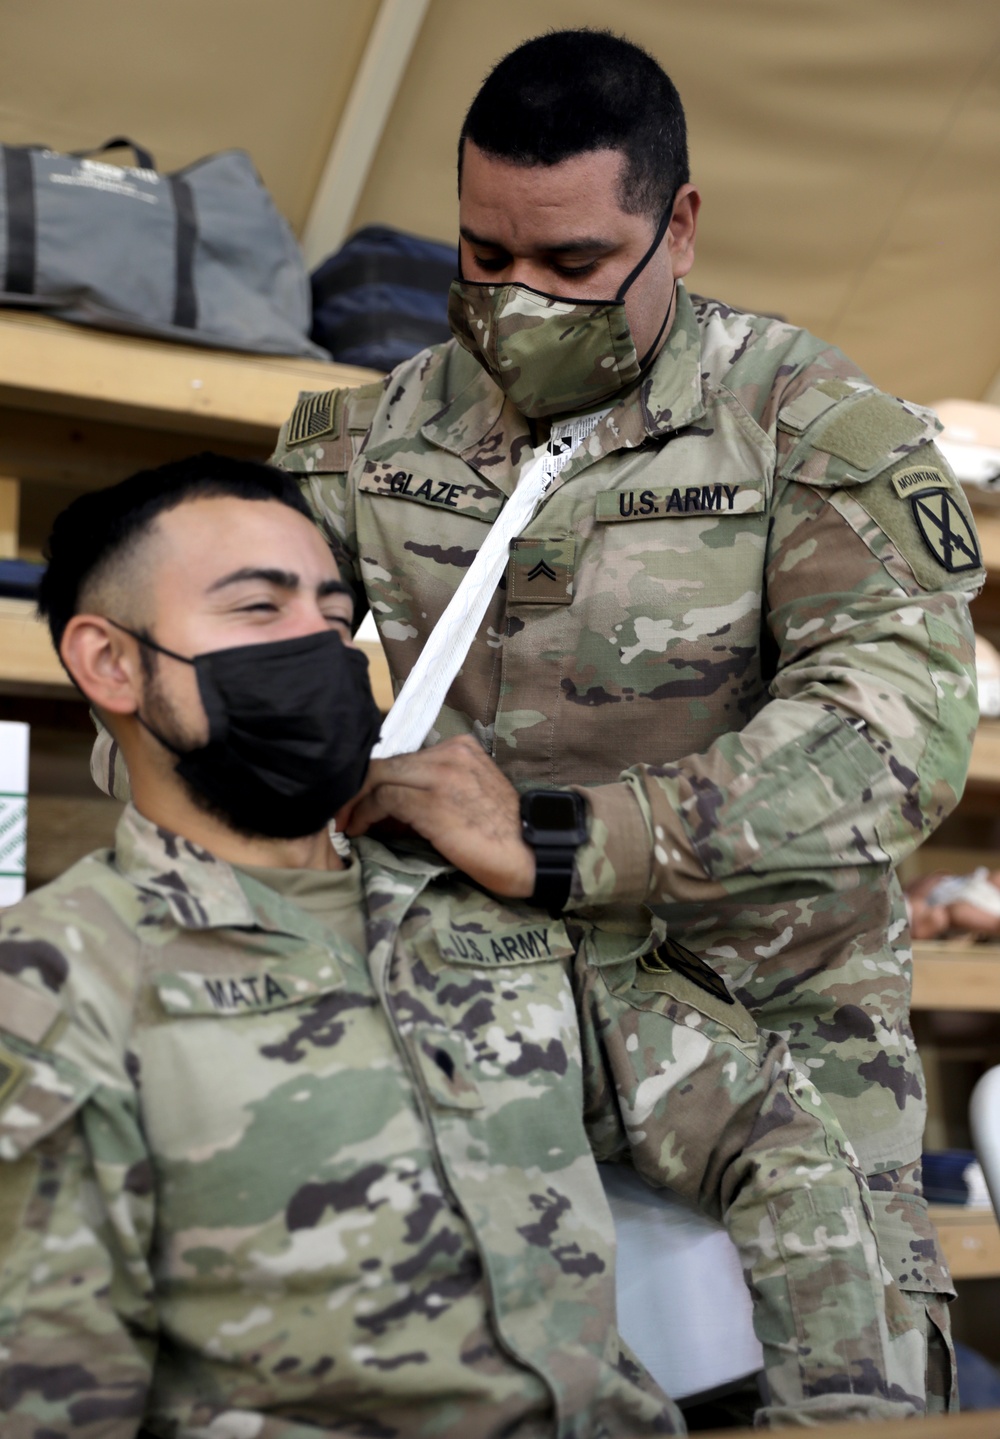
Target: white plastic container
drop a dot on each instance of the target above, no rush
(13, 809)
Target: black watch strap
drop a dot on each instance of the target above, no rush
(553, 878)
(554, 824)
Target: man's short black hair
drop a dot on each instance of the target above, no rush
(103, 527)
(573, 91)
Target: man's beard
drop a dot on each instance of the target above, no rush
(159, 714)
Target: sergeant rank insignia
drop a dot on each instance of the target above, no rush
(946, 531)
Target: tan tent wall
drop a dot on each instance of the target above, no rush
(847, 151)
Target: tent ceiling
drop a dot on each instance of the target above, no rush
(847, 152)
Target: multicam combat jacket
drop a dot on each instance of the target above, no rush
(738, 620)
(257, 1185)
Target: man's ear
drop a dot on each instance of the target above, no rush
(683, 228)
(104, 662)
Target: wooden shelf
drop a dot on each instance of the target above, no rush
(988, 526)
(50, 366)
(984, 769)
(970, 1239)
(976, 1424)
(953, 975)
(84, 407)
(29, 664)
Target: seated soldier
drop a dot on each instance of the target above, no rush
(268, 1174)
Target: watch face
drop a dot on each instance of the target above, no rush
(557, 813)
(554, 812)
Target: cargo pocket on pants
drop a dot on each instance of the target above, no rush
(911, 1252)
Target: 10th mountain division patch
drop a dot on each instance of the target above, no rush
(946, 531)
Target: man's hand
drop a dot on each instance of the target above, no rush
(455, 797)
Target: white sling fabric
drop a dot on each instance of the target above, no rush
(419, 701)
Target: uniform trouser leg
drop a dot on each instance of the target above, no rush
(911, 1251)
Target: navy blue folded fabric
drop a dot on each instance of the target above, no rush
(19, 579)
(382, 297)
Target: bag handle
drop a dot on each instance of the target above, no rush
(19, 181)
(185, 314)
(145, 159)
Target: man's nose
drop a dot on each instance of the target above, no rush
(531, 273)
(309, 619)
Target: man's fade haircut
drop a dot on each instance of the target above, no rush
(569, 92)
(100, 530)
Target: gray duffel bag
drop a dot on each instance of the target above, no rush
(201, 255)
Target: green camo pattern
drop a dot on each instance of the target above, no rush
(255, 1185)
(755, 615)
(588, 348)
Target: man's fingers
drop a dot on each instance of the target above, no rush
(386, 801)
(359, 816)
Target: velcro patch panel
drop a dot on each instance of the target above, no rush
(540, 572)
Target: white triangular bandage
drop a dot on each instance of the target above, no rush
(419, 701)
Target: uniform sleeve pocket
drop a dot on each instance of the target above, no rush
(39, 1091)
(911, 1251)
(908, 1243)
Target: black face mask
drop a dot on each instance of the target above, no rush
(291, 727)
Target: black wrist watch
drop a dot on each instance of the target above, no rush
(554, 824)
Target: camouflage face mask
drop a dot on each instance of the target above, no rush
(552, 355)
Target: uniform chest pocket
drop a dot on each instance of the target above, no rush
(503, 993)
(672, 586)
(256, 987)
(251, 1062)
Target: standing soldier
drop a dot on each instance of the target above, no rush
(736, 624)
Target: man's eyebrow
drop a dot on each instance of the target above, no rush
(588, 243)
(283, 579)
(334, 587)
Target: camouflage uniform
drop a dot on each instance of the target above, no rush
(754, 575)
(257, 1185)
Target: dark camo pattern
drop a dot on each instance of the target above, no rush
(796, 673)
(254, 1185)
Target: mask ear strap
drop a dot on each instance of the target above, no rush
(160, 739)
(151, 645)
(161, 649)
(659, 334)
(661, 230)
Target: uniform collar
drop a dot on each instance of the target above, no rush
(485, 430)
(672, 395)
(203, 892)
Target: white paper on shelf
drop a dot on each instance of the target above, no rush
(973, 464)
(13, 809)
